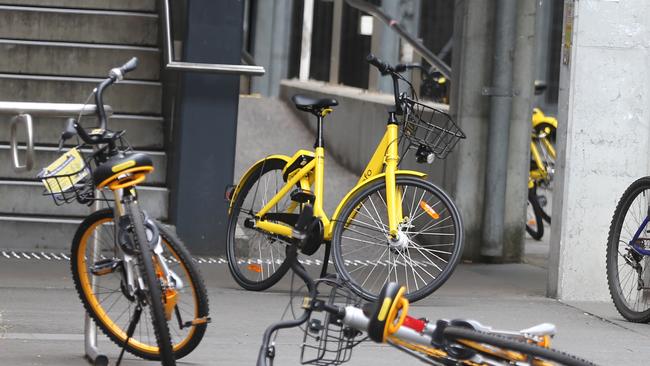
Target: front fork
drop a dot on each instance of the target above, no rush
(171, 279)
(393, 195)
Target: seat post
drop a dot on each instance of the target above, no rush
(319, 132)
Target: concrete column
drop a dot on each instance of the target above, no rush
(471, 65)
(604, 104)
(520, 126)
(385, 45)
(271, 44)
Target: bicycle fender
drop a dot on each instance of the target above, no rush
(250, 171)
(361, 185)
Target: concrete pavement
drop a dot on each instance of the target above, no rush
(42, 317)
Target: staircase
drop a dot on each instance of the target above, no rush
(57, 51)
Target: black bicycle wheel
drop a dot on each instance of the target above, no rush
(256, 259)
(627, 270)
(153, 291)
(458, 334)
(428, 248)
(543, 195)
(107, 303)
(534, 221)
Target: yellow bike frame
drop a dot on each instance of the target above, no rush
(540, 122)
(383, 164)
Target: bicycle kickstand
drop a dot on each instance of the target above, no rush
(130, 331)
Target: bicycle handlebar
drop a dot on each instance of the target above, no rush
(115, 75)
(385, 69)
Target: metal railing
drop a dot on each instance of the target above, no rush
(22, 113)
(251, 70)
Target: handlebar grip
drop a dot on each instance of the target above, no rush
(375, 61)
(131, 65)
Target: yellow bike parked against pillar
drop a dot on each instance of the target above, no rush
(392, 226)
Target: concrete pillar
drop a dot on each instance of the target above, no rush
(604, 104)
(520, 126)
(471, 65)
(385, 45)
(271, 44)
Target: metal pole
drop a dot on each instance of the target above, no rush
(335, 54)
(305, 48)
(498, 134)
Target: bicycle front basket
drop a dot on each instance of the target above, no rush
(327, 341)
(68, 179)
(425, 126)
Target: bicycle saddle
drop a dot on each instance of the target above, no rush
(313, 105)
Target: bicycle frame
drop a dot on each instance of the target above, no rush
(383, 164)
(540, 173)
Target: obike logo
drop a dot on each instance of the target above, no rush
(367, 174)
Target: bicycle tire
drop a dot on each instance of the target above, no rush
(534, 229)
(612, 257)
(273, 166)
(549, 354)
(91, 301)
(452, 257)
(154, 289)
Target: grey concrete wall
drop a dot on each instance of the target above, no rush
(356, 126)
(603, 137)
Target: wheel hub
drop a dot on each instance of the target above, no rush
(400, 243)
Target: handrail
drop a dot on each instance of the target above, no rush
(50, 109)
(393, 24)
(23, 112)
(201, 67)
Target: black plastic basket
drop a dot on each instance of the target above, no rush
(425, 126)
(327, 341)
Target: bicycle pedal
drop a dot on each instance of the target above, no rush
(229, 192)
(105, 266)
(305, 218)
(303, 196)
(198, 321)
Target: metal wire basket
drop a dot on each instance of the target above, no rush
(67, 188)
(326, 340)
(429, 128)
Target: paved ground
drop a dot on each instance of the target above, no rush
(42, 318)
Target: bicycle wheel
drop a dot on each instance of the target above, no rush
(534, 223)
(107, 302)
(526, 350)
(256, 259)
(627, 270)
(429, 245)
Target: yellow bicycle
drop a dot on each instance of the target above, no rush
(542, 168)
(392, 226)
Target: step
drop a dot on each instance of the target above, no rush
(56, 89)
(44, 156)
(133, 5)
(75, 25)
(142, 132)
(75, 59)
(45, 233)
(25, 198)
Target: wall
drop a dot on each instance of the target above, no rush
(602, 138)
